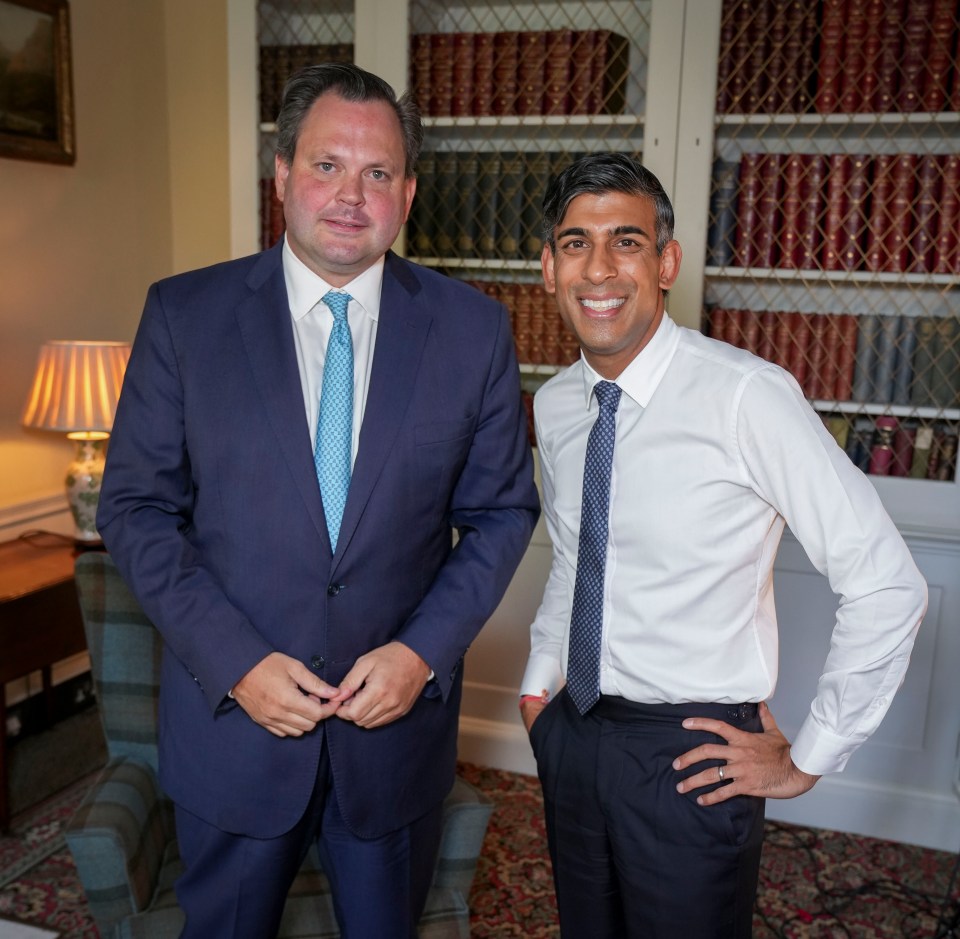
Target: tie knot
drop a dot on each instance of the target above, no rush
(338, 303)
(608, 395)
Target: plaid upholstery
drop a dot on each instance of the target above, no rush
(122, 835)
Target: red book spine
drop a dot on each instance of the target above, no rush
(751, 331)
(483, 58)
(813, 203)
(556, 77)
(777, 87)
(881, 455)
(463, 74)
(830, 68)
(733, 328)
(531, 65)
(808, 65)
(853, 64)
(748, 204)
(716, 322)
(441, 74)
(873, 24)
(527, 298)
(838, 177)
(420, 70)
(780, 353)
(879, 221)
(608, 73)
(553, 330)
(913, 56)
(799, 329)
(926, 213)
(768, 210)
(947, 249)
(758, 59)
(768, 332)
(584, 43)
(940, 52)
(845, 326)
(505, 65)
(897, 238)
(819, 379)
(888, 57)
(794, 170)
(853, 227)
(728, 24)
(903, 440)
(794, 79)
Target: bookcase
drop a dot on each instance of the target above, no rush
(834, 218)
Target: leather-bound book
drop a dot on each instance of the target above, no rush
(807, 65)
(903, 441)
(946, 253)
(830, 65)
(885, 364)
(881, 453)
(483, 58)
(924, 362)
(845, 218)
(422, 224)
(913, 55)
(945, 379)
(888, 56)
(799, 335)
(528, 341)
(420, 70)
(608, 73)
(748, 206)
(721, 232)
(777, 89)
(940, 54)
(813, 204)
(866, 357)
(462, 101)
(768, 211)
(768, 334)
(441, 74)
(463, 211)
(531, 66)
(821, 371)
(945, 442)
(581, 75)
(447, 224)
(853, 63)
(870, 46)
(759, 56)
(903, 369)
(842, 337)
(926, 213)
(556, 76)
(790, 94)
(725, 64)
(505, 65)
(488, 185)
(716, 322)
(890, 220)
(794, 173)
(750, 333)
(733, 331)
(535, 181)
(510, 206)
(922, 443)
(267, 76)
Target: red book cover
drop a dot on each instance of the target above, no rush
(890, 41)
(843, 328)
(420, 70)
(608, 73)
(940, 52)
(441, 74)
(768, 332)
(913, 55)
(807, 65)
(853, 64)
(505, 65)
(584, 43)
(552, 329)
(782, 332)
(799, 330)
(463, 73)
(946, 254)
(879, 220)
(903, 440)
(835, 215)
(716, 322)
(523, 324)
(830, 67)
(556, 78)
(813, 205)
(795, 168)
(483, 53)
(777, 91)
(926, 213)
(897, 239)
(768, 210)
(881, 454)
(527, 298)
(728, 29)
(733, 328)
(750, 331)
(759, 59)
(748, 205)
(793, 96)
(532, 61)
(820, 374)
(873, 24)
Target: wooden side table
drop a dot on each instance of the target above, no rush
(40, 623)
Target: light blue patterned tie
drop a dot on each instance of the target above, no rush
(586, 620)
(332, 452)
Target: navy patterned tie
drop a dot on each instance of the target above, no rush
(334, 444)
(586, 621)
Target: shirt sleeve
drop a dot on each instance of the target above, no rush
(832, 508)
(543, 676)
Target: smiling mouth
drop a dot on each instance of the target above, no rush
(602, 306)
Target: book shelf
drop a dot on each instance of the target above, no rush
(833, 242)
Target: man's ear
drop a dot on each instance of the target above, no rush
(670, 259)
(281, 170)
(546, 265)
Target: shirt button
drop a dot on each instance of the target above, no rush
(333, 590)
(317, 661)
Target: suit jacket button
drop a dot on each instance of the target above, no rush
(333, 590)
(317, 661)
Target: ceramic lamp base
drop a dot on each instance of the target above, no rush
(84, 476)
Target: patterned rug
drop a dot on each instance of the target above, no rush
(814, 884)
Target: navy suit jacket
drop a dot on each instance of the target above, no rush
(212, 511)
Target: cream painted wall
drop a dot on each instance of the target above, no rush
(148, 196)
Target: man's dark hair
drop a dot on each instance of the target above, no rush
(597, 173)
(351, 83)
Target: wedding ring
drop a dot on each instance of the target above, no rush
(720, 771)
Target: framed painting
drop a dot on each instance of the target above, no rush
(36, 88)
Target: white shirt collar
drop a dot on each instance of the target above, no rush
(643, 375)
(305, 288)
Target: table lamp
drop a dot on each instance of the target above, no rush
(75, 391)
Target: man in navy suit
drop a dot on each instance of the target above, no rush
(312, 673)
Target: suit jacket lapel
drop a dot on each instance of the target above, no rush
(264, 320)
(401, 335)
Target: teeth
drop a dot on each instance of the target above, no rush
(602, 305)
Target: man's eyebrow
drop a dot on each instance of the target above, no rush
(618, 230)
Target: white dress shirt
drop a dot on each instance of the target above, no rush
(716, 450)
(313, 323)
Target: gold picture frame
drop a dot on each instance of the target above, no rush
(36, 86)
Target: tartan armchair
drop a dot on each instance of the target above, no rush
(122, 835)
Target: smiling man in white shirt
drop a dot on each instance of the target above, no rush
(654, 794)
